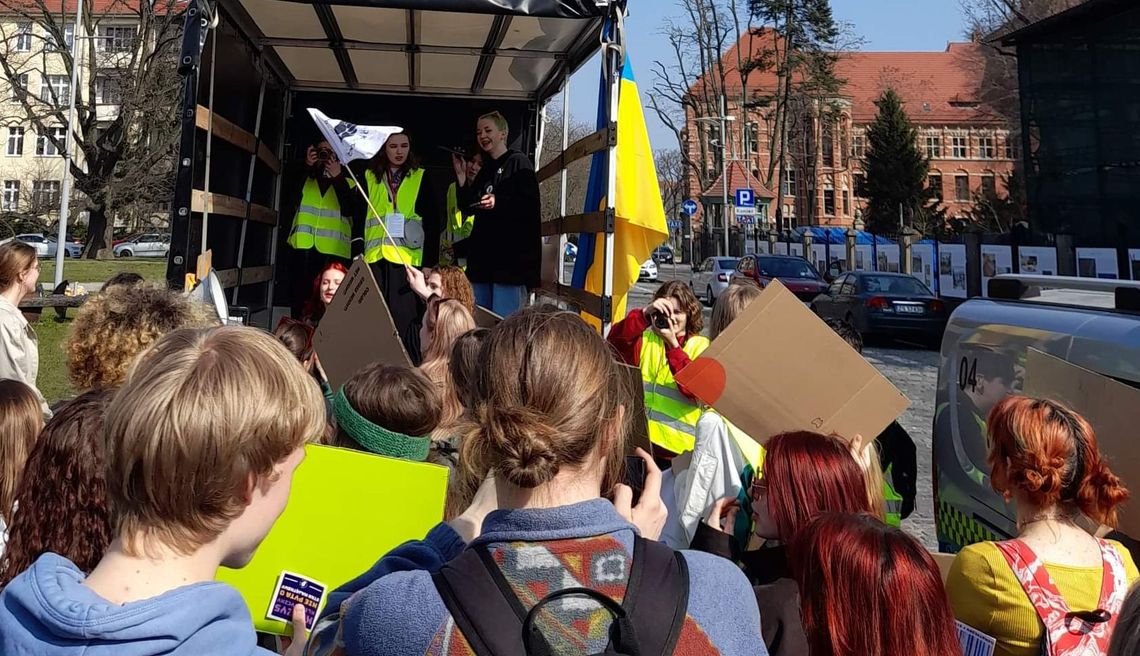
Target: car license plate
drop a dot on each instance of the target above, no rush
(909, 309)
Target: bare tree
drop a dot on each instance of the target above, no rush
(671, 177)
(126, 127)
(577, 174)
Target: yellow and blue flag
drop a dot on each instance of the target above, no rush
(640, 215)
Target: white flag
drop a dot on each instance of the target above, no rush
(352, 142)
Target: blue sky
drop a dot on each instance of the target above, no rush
(894, 25)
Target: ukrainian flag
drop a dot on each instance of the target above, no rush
(640, 215)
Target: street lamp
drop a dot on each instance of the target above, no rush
(724, 118)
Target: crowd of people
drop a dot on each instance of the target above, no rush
(176, 457)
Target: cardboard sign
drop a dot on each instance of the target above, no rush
(1102, 401)
(779, 368)
(485, 318)
(357, 328)
(639, 420)
(346, 510)
(944, 561)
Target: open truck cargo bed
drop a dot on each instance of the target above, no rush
(250, 67)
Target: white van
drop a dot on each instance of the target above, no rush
(1091, 323)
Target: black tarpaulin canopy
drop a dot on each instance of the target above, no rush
(491, 48)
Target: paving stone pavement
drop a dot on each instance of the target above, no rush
(915, 372)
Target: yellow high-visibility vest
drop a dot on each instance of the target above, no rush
(376, 243)
(320, 224)
(672, 415)
(459, 225)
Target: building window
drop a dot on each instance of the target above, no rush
(23, 37)
(117, 38)
(934, 146)
(752, 139)
(15, 141)
(829, 202)
(960, 148)
(989, 186)
(828, 145)
(1010, 151)
(10, 202)
(19, 86)
(68, 39)
(55, 89)
(45, 146)
(108, 90)
(846, 202)
(45, 193)
(859, 181)
(986, 148)
(790, 182)
(715, 147)
(962, 187)
(934, 185)
(859, 146)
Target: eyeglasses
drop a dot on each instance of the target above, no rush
(759, 488)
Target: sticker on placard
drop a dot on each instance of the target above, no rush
(974, 642)
(293, 589)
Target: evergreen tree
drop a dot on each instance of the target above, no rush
(896, 169)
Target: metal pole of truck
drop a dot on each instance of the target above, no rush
(564, 176)
(613, 59)
(724, 165)
(65, 202)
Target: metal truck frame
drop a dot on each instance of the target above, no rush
(248, 64)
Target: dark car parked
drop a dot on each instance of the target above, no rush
(796, 273)
(884, 305)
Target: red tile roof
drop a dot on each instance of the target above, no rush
(936, 87)
(97, 7)
(738, 178)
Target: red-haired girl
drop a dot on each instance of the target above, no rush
(869, 589)
(1055, 589)
(324, 289)
(803, 476)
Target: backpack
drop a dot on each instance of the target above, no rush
(648, 622)
(1069, 633)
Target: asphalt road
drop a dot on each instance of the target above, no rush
(913, 370)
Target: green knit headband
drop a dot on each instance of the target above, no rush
(377, 439)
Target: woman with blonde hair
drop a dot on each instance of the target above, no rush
(21, 420)
(19, 348)
(1054, 589)
(113, 327)
(444, 322)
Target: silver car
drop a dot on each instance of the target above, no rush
(145, 245)
(983, 359)
(711, 277)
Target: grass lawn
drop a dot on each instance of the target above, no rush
(102, 270)
(52, 379)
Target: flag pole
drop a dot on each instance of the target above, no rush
(381, 222)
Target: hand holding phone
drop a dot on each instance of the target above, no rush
(634, 476)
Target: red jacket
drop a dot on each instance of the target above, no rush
(625, 337)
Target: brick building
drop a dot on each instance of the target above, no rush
(969, 144)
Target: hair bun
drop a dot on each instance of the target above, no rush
(524, 443)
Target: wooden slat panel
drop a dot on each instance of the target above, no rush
(200, 201)
(229, 278)
(585, 146)
(585, 301)
(575, 223)
(230, 132)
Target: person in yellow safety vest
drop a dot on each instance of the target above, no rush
(724, 460)
(661, 339)
(460, 220)
(403, 231)
(322, 227)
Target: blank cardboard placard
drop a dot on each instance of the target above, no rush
(1105, 403)
(485, 318)
(639, 421)
(944, 561)
(379, 503)
(779, 368)
(357, 328)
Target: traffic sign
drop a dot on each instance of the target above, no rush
(745, 211)
(689, 207)
(674, 224)
(745, 198)
(746, 219)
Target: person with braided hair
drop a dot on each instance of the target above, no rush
(1054, 589)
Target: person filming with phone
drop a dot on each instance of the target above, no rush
(322, 226)
(661, 339)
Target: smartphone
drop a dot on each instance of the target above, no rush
(634, 476)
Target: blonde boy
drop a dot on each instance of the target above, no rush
(202, 443)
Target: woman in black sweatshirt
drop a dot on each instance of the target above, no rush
(504, 251)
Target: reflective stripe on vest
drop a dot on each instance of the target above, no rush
(320, 224)
(458, 226)
(894, 503)
(672, 415)
(376, 244)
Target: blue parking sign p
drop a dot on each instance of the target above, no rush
(745, 198)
